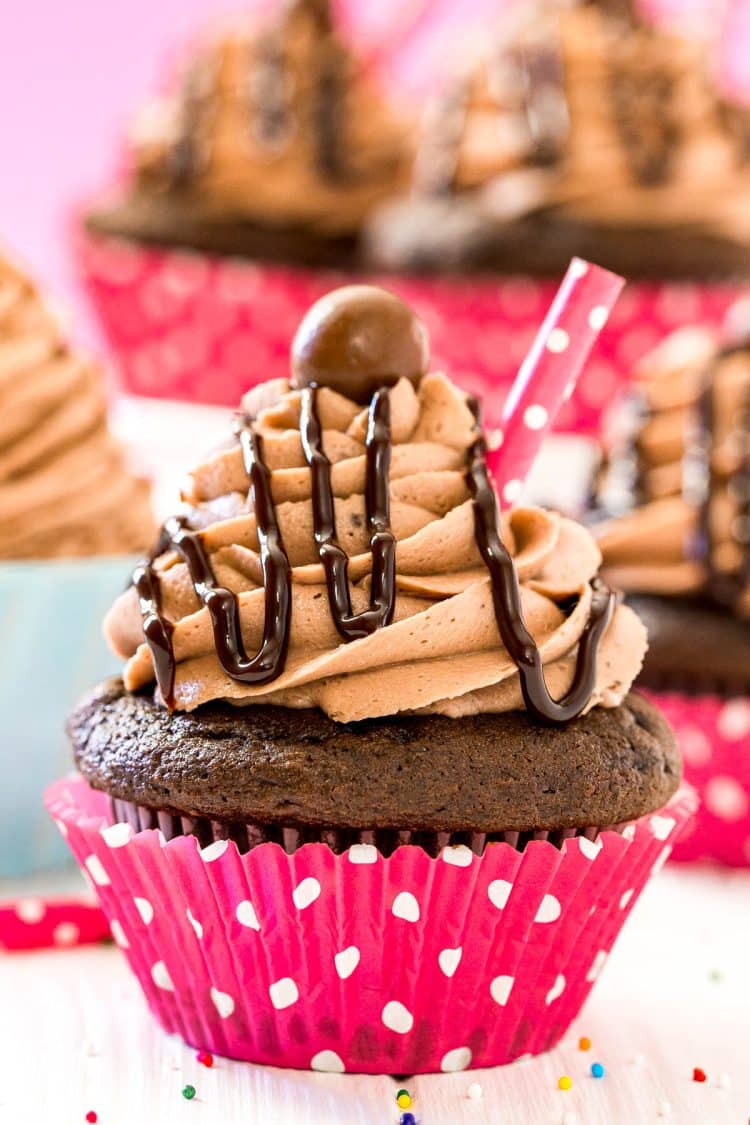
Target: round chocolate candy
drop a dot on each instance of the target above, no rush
(357, 339)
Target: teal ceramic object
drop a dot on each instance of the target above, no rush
(51, 651)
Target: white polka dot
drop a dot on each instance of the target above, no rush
(223, 1003)
(397, 1018)
(557, 989)
(306, 892)
(214, 851)
(406, 906)
(598, 317)
(246, 915)
(66, 933)
(725, 798)
(558, 341)
(458, 855)
(96, 871)
(498, 892)
(457, 1059)
(734, 719)
(449, 959)
(30, 910)
(346, 961)
(145, 909)
(535, 417)
(328, 1062)
(625, 898)
(512, 489)
(578, 268)
(195, 924)
(495, 439)
(117, 835)
(597, 965)
(589, 848)
(119, 934)
(695, 746)
(160, 976)
(661, 826)
(363, 853)
(500, 989)
(549, 910)
(283, 993)
(628, 832)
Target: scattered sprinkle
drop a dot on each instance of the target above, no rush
(188, 1093)
(597, 1070)
(724, 1082)
(205, 1058)
(564, 1083)
(716, 976)
(638, 1059)
(92, 1117)
(570, 1117)
(407, 1119)
(90, 1049)
(665, 1109)
(403, 1099)
(699, 1075)
(584, 1043)
(474, 1092)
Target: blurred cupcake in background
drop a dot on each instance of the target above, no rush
(583, 129)
(678, 542)
(69, 510)
(274, 147)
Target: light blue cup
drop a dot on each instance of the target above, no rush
(51, 651)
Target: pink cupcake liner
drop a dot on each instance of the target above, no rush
(358, 962)
(714, 736)
(190, 326)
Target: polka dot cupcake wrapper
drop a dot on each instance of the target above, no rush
(714, 736)
(361, 962)
(188, 326)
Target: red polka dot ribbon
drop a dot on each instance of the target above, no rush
(37, 923)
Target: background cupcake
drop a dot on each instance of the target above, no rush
(583, 129)
(69, 511)
(679, 547)
(314, 657)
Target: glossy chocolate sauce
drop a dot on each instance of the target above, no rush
(506, 596)
(334, 559)
(268, 663)
(725, 588)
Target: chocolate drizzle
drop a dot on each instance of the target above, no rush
(335, 563)
(506, 597)
(725, 588)
(269, 661)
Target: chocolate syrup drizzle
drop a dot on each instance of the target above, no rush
(724, 588)
(268, 663)
(506, 596)
(334, 559)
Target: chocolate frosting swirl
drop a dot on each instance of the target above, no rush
(64, 487)
(689, 531)
(278, 125)
(437, 647)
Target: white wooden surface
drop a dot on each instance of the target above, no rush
(75, 1035)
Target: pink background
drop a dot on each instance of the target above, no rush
(71, 72)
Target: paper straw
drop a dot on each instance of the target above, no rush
(548, 375)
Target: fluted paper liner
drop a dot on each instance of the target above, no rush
(714, 737)
(357, 962)
(192, 326)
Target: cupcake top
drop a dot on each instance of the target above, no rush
(685, 458)
(64, 487)
(280, 126)
(345, 552)
(591, 116)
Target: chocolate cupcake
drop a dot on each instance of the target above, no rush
(677, 542)
(72, 515)
(348, 681)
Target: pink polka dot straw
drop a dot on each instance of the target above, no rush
(548, 375)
